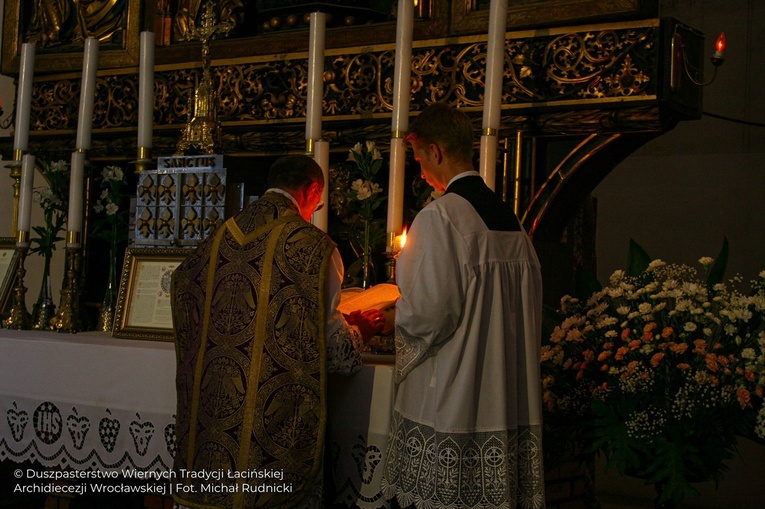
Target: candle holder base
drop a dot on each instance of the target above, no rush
(69, 317)
(390, 267)
(42, 314)
(142, 165)
(19, 317)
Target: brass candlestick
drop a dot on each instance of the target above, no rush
(143, 162)
(69, 315)
(19, 316)
(15, 172)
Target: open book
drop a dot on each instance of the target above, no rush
(382, 297)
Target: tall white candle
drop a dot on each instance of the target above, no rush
(87, 93)
(146, 90)
(396, 186)
(76, 188)
(402, 89)
(320, 218)
(495, 60)
(25, 193)
(24, 97)
(315, 76)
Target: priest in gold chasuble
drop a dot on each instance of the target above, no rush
(257, 329)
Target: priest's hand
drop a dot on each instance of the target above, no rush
(369, 322)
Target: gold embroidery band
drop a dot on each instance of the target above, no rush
(213, 263)
(261, 322)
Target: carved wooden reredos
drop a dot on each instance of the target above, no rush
(600, 89)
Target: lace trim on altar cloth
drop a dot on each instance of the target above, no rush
(487, 470)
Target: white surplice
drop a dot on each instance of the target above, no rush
(467, 426)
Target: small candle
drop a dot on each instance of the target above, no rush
(146, 90)
(25, 193)
(320, 218)
(76, 187)
(24, 97)
(87, 93)
(402, 89)
(495, 61)
(315, 76)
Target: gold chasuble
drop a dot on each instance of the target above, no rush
(249, 315)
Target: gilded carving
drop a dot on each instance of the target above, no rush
(55, 22)
(589, 66)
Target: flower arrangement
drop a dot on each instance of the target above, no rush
(53, 201)
(364, 197)
(660, 371)
(110, 223)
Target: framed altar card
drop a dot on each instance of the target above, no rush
(143, 301)
(8, 262)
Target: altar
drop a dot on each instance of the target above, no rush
(90, 402)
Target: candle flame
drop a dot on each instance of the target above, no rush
(398, 242)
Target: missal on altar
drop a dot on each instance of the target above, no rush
(382, 297)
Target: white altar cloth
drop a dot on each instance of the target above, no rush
(360, 409)
(86, 401)
(89, 401)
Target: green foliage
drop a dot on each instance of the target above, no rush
(717, 272)
(53, 201)
(637, 260)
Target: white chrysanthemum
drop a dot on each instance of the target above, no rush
(748, 353)
(689, 327)
(645, 308)
(623, 310)
(656, 264)
(706, 261)
(617, 276)
(615, 292)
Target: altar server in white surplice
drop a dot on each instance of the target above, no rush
(467, 425)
